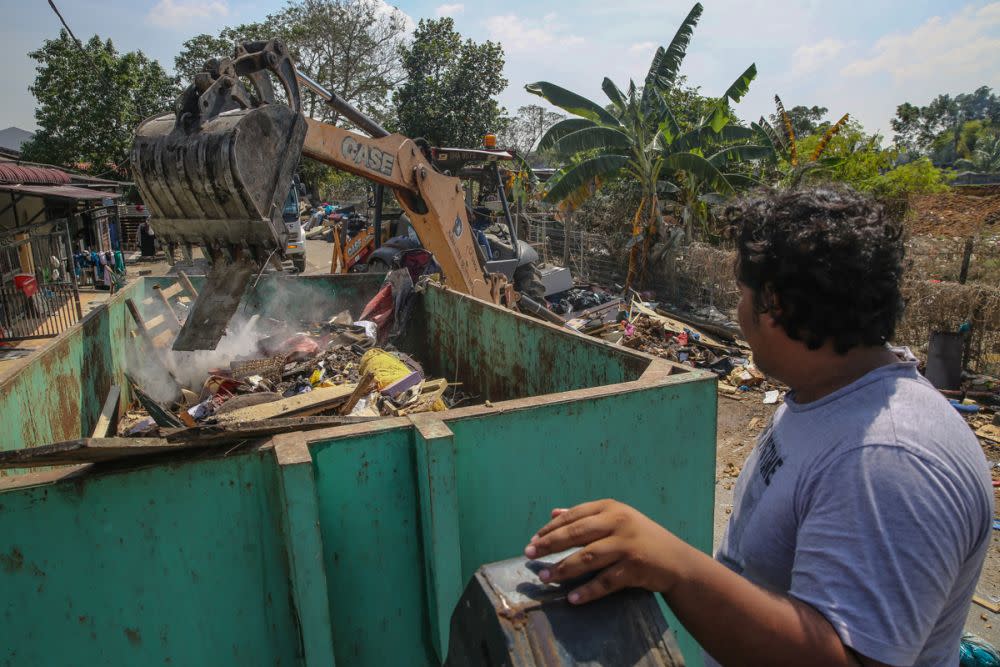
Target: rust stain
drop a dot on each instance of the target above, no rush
(13, 562)
(134, 638)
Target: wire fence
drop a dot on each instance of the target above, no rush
(697, 275)
(593, 258)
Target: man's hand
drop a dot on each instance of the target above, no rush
(629, 549)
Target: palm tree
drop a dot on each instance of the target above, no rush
(985, 158)
(637, 136)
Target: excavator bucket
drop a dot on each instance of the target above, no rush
(215, 174)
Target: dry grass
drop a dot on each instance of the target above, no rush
(699, 275)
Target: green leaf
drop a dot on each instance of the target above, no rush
(663, 71)
(560, 130)
(582, 175)
(765, 136)
(741, 86)
(742, 181)
(614, 94)
(668, 126)
(700, 168)
(571, 102)
(701, 136)
(744, 153)
(720, 117)
(604, 139)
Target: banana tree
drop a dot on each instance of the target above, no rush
(636, 136)
(786, 145)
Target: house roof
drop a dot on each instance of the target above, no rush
(20, 173)
(70, 192)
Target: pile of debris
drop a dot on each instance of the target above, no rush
(646, 328)
(321, 373)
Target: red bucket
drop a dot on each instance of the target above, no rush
(26, 283)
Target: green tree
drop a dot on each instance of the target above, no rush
(936, 128)
(984, 155)
(805, 120)
(525, 128)
(349, 46)
(639, 137)
(201, 48)
(798, 152)
(449, 94)
(90, 100)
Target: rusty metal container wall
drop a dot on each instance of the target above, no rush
(351, 544)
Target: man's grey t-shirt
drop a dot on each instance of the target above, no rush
(874, 506)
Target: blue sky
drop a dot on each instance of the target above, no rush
(852, 56)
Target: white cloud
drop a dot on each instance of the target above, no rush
(966, 43)
(385, 9)
(180, 13)
(644, 47)
(810, 57)
(449, 10)
(520, 35)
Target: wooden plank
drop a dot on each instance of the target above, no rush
(365, 386)
(677, 327)
(108, 413)
(987, 604)
(183, 279)
(162, 339)
(160, 415)
(168, 309)
(85, 450)
(155, 322)
(169, 292)
(222, 433)
(301, 405)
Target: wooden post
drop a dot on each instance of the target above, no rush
(186, 284)
(963, 273)
(567, 223)
(166, 304)
(335, 259)
(107, 417)
(140, 324)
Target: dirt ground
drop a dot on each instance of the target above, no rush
(739, 422)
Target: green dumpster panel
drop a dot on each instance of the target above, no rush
(357, 540)
(59, 393)
(506, 357)
(652, 448)
(179, 564)
(369, 518)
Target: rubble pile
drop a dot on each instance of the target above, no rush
(317, 369)
(646, 329)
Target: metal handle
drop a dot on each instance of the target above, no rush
(343, 107)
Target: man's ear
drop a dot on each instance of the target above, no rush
(772, 304)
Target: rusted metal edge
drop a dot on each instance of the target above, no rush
(659, 374)
(84, 450)
(291, 449)
(30, 479)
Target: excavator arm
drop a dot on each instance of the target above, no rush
(435, 203)
(216, 171)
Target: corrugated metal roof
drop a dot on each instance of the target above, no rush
(21, 173)
(59, 192)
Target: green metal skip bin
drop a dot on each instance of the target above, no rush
(347, 546)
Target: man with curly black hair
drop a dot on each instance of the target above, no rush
(861, 520)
